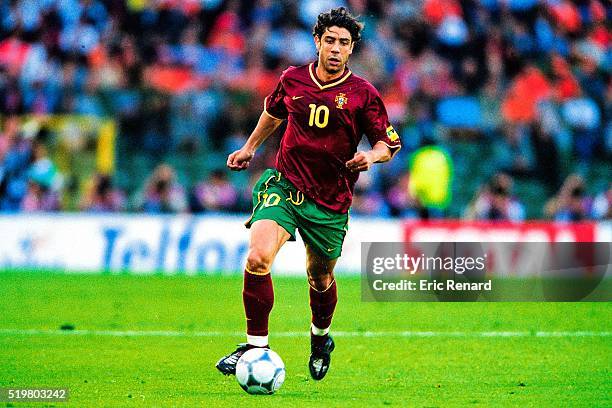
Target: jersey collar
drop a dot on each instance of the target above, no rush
(311, 70)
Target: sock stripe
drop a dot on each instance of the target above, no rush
(324, 290)
(317, 331)
(258, 341)
(256, 273)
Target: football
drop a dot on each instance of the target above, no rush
(260, 371)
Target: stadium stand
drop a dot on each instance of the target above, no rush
(519, 87)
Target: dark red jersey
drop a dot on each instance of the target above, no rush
(325, 123)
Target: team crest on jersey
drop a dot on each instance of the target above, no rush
(392, 134)
(341, 100)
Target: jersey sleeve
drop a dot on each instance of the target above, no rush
(274, 104)
(376, 123)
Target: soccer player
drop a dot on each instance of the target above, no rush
(327, 109)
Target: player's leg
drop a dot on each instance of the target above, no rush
(323, 293)
(323, 299)
(323, 232)
(266, 239)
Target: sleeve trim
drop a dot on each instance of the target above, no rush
(393, 149)
(268, 113)
(273, 117)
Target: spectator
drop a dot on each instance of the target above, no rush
(571, 203)
(401, 202)
(431, 176)
(101, 196)
(8, 138)
(44, 183)
(366, 200)
(40, 196)
(494, 201)
(369, 203)
(15, 162)
(162, 193)
(215, 194)
(514, 153)
(546, 154)
(583, 117)
(602, 205)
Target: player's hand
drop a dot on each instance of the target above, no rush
(239, 160)
(362, 161)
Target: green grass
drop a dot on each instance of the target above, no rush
(374, 371)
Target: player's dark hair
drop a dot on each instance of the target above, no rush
(339, 17)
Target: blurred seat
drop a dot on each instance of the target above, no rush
(462, 112)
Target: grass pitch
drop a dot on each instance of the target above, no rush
(154, 340)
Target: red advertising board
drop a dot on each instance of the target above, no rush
(490, 231)
(520, 257)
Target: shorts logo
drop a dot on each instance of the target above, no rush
(341, 100)
(392, 134)
(298, 200)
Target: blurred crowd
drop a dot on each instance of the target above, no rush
(527, 81)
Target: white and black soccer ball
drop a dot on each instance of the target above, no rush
(260, 371)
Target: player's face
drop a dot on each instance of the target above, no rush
(335, 46)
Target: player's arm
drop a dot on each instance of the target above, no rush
(362, 161)
(383, 138)
(240, 159)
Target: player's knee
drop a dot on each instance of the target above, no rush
(320, 282)
(258, 261)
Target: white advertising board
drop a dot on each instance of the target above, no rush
(185, 244)
(151, 244)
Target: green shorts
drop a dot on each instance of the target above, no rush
(275, 198)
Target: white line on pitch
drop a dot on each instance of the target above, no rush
(175, 333)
